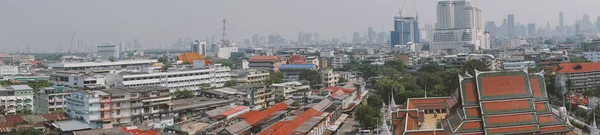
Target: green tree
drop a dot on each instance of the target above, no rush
(226, 62)
(342, 80)
(27, 131)
(163, 60)
(384, 86)
(39, 84)
(165, 67)
(296, 104)
(274, 77)
(397, 64)
(431, 67)
(375, 101)
(183, 94)
(314, 77)
(59, 111)
(471, 65)
(579, 60)
(24, 112)
(367, 116)
(230, 83)
(5, 83)
(549, 42)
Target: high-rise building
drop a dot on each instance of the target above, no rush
(445, 15)
(371, 35)
(136, 43)
(356, 37)
(511, 25)
(429, 32)
(459, 26)
(586, 23)
(108, 51)
(491, 28)
(199, 47)
(561, 19)
(531, 30)
(406, 29)
(598, 23)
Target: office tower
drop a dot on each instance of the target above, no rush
(406, 29)
(491, 28)
(356, 37)
(520, 30)
(598, 23)
(445, 15)
(511, 25)
(429, 32)
(531, 30)
(459, 27)
(137, 44)
(316, 38)
(586, 23)
(199, 47)
(370, 35)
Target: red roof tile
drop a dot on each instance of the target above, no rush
(515, 129)
(470, 92)
(549, 129)
(473, 112)
(509, 119)
(263, 59)
(427, 103)
(253, 117)
(288, 127)
(503, 85)
(536, 87)
(507, 106)
(296, 59)
(578, 67)
(234, 110)
(6, 127)
(12, 119)
(472, 125)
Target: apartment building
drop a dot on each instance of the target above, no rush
(582, 76)
(136, 104)
(16, 98)
(251, 76)
(291, 90)
(517, 63)
(86, 105)
(314, 60)
(114, 67)
(50, 99)
(339, 61)
(259, 96)
(330, 78)
(185, 79)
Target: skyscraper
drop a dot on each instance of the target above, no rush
(371, 35)
(459, 27)
(511, 25)
(531, 30)
(137, 44)
(406, 29)
(199, 47)
(491, 28)
(445, 15)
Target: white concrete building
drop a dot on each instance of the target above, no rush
(291, 90)
(188, 79)
(327, 53)
(114, 67)
(225, 51)
(517, 41)
(313, 60)
(517, 63)
(79, 79)
(339, 60)
(9, 70)
(108, 51)
(459, 25)
(591, 56)
(330, 78)
(49, 99)
(16, 98)
(445, 15)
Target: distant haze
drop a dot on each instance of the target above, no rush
(43, 24)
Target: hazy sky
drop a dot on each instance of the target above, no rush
(49, 23)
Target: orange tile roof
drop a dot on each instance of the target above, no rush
(547, 119)
(253, 117)
(472, 125)
(550, 129)
(12, 119)
(425, 133)
(234, 110)
(536, 88)
(503, 85)
(190, 57)
(470, 92)
(585, 67)
(509, 119)
(263, 59)
(473, 112)
(427, 103)
(287, 127)
(296, 59)
(507, 106)
(515, 129)
(542, 107)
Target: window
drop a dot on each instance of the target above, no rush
(118, 112)
(118, 104)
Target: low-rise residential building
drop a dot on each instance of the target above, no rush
(582, 76)
(251, 76)
(136, 104)
(79, 79)
(187, 79)
(86, 105)
(313, 121)
(50, 99)
(16, 98)
(517, 63)
(291, 90)
(258, 96)
(327, 53)
(460, 59)
(313, 60)
(330, 78)
(271, 63)
(9, 70)
(114, 67)
(291, 72)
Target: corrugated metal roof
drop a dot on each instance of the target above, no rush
(296, 66)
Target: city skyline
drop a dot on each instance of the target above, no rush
(48, 24)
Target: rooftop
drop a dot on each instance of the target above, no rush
(103, 63)
(128, 90)
(21, 87)
(296, 66)
(263, 58)
(578, 67)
